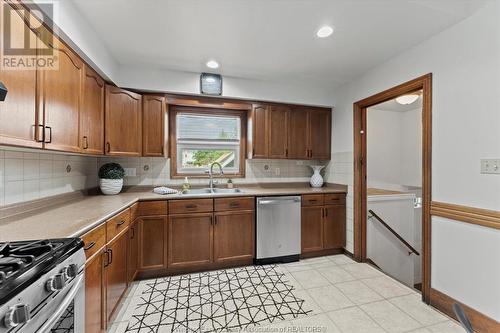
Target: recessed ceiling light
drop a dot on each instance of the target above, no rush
(212, 64)
(324, 31)
(407, 99)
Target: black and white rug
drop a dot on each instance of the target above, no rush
(214, 301)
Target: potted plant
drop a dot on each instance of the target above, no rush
(111, 178)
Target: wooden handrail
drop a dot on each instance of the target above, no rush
(401, 239)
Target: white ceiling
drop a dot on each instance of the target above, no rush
(268, 39)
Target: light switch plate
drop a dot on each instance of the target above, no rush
(130, 172)
(490, 166)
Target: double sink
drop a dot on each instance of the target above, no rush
(208, 191)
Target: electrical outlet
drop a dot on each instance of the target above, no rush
(299, 162)
(130, 172)
(277, 171)
(490, 166)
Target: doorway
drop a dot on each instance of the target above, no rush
(422, 86)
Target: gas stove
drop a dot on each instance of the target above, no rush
(41, 286)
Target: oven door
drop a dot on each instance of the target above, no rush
(66, 311)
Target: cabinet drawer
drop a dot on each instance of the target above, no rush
(150, 208)
(190, 206)
(94, 240)
(335, 199)
(312, 200)
(222, 204)
(117, 224)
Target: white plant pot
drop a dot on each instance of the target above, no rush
(316, 178)
(110, 186)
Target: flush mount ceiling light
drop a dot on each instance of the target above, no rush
(324, 31)
(212, 64)
(407, 99)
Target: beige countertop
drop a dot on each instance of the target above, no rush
(80, 214)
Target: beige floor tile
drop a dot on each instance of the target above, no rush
(309, 304)
(329, 298)
(361, 271)
(120, 327)
(296, 267)
(358, 292)
(289, 279)
(319, 323)
(310, 279)
(354, 320)
(341, 259)
(421, 330)
(322, 264)
(336, 274)
(413, 305)
(446, 327)
(387, 287)
(389, 317)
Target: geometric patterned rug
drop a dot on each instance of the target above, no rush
(214, 301)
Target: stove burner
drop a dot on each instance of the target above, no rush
(15, 257)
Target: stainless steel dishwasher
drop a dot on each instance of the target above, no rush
(278, 229)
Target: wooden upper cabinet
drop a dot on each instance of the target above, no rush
(278, 131)
(298, 134)
(320, 134)
(18, 117)
(92, 113)
(123, 122)
(153, 126)
(60, 99)
(260, 131)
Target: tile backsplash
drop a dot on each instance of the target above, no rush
(27, 174)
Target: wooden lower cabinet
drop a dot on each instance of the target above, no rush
(312, 229)
(153, 242)
(234, 236)
(116, 272)
(94, 302)
(190, 239)
(133, 251)
(334, 226)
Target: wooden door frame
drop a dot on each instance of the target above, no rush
(423, 83)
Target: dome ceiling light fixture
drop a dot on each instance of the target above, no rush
(407, 99)
(324, 31)
(212, 64)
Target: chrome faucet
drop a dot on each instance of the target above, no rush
(211, 174)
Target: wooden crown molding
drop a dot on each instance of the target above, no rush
(472, 215)
(480, 322)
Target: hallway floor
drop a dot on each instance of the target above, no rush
(326, 294)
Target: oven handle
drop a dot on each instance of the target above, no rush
(47, 326)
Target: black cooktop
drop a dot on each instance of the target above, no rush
(23, 262)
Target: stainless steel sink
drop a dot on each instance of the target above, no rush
(227, 190)
(207, 191)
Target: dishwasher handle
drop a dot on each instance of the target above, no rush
(278, 201)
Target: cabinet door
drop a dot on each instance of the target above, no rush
(334, 227)
(260, 131)
(320, 134)
(94, 302)
(298, 131)
(153, 129)
(92, 113)
(18, 117)
(60, 100)
(312, 229)
(234, 236)
(278, 131)
(153, 244)
(133, 250)
(123, 122)
(116, 273)
(190, 239)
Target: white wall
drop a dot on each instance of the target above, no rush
(465, 62)
(394, 148)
